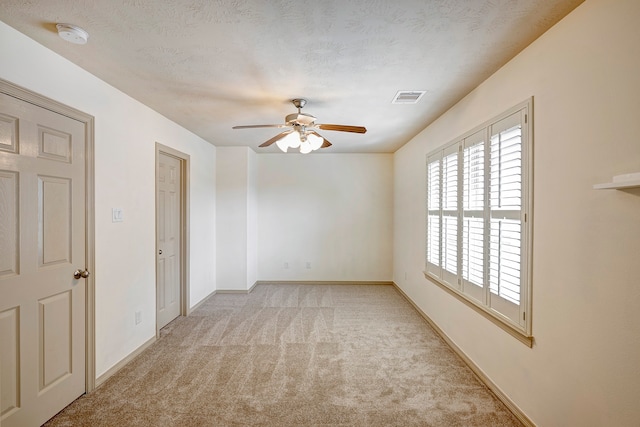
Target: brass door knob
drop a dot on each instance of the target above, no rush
(81, 274)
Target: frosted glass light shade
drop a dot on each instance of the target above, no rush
(315, 141)
(305, 147)
(293, 139)
(282, 144)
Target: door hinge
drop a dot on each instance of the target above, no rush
(526, 116)
(524, 315)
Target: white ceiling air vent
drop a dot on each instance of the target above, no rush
(408, 96)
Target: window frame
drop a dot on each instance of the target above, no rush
(520, 328)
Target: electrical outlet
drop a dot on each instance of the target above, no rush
(138, 317)
(286, 265)
(308, 264)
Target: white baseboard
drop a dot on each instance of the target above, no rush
(202, 301)
(115, 368)
(321, 282)
(515, 410)
(252, 287)
(238, 291)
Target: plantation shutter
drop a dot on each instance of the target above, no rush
(449, 236)
(505, 206)
(433, 214)
(473, 216)
(478, 195)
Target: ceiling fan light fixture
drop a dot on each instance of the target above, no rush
(301, 131)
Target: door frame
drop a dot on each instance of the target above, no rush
(31, 97)
(185, 161)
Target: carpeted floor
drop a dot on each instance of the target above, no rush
(294, 355)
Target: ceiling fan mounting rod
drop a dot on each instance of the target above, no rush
(299, 103)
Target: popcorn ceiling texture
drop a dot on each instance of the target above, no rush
(294, 355)
(210, 65)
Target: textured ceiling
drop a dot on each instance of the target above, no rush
(211, 65)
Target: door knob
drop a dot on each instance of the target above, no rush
(160, 252)
(81, 274)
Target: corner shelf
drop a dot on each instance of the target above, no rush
(621, 182)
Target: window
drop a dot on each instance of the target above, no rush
(478, 222)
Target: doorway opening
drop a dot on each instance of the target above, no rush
(48, 326)
(172, 235)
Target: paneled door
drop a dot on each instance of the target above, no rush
(42, 245)
(168, 236)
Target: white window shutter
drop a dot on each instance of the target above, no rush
(433, 214)
(473, 201)
(478, 235)
(449, 236)
(505, 202)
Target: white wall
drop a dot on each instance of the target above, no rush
(125, 136)
(252, 218)
(331, 210)
(583, 368)
(236, 218)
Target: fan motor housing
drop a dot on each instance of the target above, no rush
(300, 118)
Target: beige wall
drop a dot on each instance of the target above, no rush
(126, 133)
(331, 210)
(584, 77)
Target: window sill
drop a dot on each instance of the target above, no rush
(488, 314)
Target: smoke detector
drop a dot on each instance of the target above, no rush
(72, 33)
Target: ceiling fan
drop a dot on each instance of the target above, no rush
(301, 132)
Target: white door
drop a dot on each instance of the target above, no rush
(168, 239)
(42, 243)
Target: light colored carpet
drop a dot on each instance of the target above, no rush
(294, 355)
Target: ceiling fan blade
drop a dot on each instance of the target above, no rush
(325, 143)
(275, 138)
(259, 126)
(342, 128)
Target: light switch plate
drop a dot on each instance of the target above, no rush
(117, 215)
